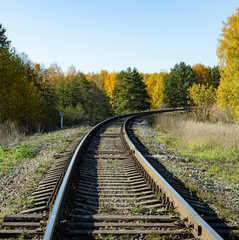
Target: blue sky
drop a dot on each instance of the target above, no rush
(151, 35)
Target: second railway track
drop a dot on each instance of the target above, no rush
(111, 194)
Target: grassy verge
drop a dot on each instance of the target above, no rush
(10, 156)
(211, 147)
(22, 166)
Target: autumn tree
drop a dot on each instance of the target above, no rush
(201, 73)
(81, 99)
(33, 96)
(55, 74)
(150, 81)
(109, 84)
(176, 84)
(209, 76)
(101, 79)
(20, 99)
(71, 73)
(228, 54)
(155, 88)
(130, 93)
(22, 89)
(89, 77)
(32, 71)
(146, 77)
(201, 99)
(104, 81)
(98, 78)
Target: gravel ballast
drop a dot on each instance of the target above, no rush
(17, 185)
(222, 198)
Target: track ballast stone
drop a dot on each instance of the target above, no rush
(16, 186)
(215, 193)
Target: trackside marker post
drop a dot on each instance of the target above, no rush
(61, 115)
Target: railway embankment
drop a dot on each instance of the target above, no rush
(221, 196)
(24, 165)
(105, 164)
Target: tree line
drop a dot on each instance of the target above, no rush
(212, 92)
(33, 96)
(183, 86)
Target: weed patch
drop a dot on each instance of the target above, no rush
(11, 156)
(142, 210)
(25, 235)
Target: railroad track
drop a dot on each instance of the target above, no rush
(111, 191)
(32, 220)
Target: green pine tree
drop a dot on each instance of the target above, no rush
(130, 94)
(215, 76)
(176, 85)
(3, 39)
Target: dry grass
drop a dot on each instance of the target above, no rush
(203, 133)
(10, 132)
(211, 147)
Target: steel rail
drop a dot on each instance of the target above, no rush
(58, 203)
(55, 214)
(199, 227)
(68, 175)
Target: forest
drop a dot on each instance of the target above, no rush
(32, 96)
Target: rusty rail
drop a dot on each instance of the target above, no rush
(199, 227)
(72, 166)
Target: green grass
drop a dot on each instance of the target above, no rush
(10, 156)
(40, 149)
(113, 237)
(217, 153)
(219, 161)
(212, 147)
(142, 210)
(25, 235)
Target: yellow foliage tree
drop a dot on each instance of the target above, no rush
(201, 98)
(71, 73)
(109, 84)
(37, 67)
(55, 74)
(104, 81)
(228, 54)
(20, 99)
(101, 79)
(98, 78)
(158, 91)
(201, 73)
(155, 88)
(89, 76)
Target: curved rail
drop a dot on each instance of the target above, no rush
(200, 228)
(61, 194)
(72, 166)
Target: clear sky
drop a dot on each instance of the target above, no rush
(150, 35)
